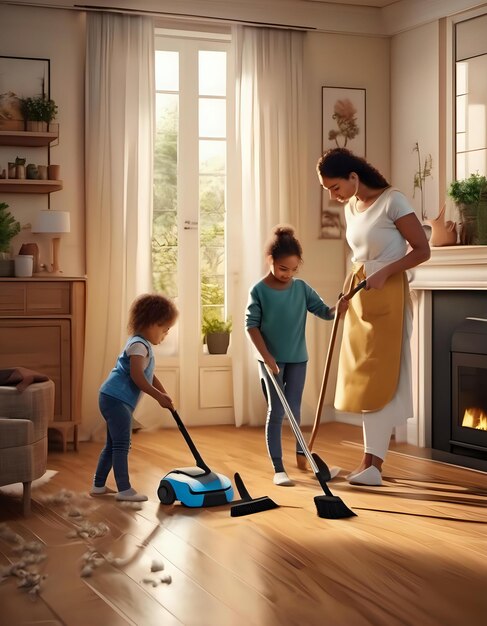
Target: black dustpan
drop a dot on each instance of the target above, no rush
(328, 505)
(249, 505)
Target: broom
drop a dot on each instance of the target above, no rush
(249, 505)
(327, 506)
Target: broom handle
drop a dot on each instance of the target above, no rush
(292, 420)
(324, 381)
(326, 371)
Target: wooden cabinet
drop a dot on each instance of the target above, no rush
(42, 322)
(20, 138)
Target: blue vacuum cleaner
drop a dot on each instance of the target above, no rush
(194, 486)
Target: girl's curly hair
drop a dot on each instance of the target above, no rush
(282, 242)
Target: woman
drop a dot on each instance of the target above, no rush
(374, 371)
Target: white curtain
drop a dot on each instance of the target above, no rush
(270, 107)
(119, 152)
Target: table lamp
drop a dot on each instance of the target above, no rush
(53, 222)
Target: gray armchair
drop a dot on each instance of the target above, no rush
(24, 417)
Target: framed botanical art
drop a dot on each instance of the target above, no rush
(343, 126)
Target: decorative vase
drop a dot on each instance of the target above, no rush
(217, 343)
(31, 249)
(443, 233)
(53, 172)
(31, 171)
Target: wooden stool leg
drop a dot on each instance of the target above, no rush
(26, 499)
(75, 437)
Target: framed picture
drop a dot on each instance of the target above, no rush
(20, 77)
(343, 126)
(343, 120)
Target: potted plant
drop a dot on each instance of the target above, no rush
(9, 227)
(470, 197)
(216, 334)
(39, 112)
(420, 176)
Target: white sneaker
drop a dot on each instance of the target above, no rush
(370, 476)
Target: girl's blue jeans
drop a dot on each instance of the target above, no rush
(292, 377)
(118, 417)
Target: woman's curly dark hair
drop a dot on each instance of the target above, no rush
(151, 308)
(340, 163)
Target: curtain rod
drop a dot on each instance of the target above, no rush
(189, 16)
(179, 16)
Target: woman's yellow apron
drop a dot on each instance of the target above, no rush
(370, 354)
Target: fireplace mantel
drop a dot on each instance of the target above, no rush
(448, 268)
(452, 267)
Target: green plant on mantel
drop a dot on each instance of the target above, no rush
(470, 197)
(9, 227)
(39, 109)
(422, 173)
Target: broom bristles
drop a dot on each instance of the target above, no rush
(253, 506)
(332, 507)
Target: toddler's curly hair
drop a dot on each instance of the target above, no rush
(151, 308)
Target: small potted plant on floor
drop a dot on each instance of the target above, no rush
(9, 227)
(38, 112)
(470, 197)
(216, 334)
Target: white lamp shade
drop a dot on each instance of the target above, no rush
(52, 222)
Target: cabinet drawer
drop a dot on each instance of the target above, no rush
(30, 298)
(43, 346)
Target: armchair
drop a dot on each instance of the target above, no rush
(24, 417)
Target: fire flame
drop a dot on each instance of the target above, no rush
(475, 418)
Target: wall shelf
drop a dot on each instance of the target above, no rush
(13, 185)
(27, 138)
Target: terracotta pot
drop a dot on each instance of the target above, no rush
(217, 342)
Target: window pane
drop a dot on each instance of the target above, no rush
(212, 157)
(212, 117)
(212, 73)
(165, 227)
(212, 245)
(167, 70)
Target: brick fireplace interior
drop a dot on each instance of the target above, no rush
(459, 377)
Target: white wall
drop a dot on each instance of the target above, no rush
(415, 113)
(59, 36)
(338, 61)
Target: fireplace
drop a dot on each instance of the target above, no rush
(469, 388)
(459, 378)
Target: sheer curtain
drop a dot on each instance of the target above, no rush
(119, 149)
(269, 110)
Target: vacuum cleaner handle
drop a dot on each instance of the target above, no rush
(197, 456)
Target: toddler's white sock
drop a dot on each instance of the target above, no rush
(98, 491)
(282, 479)
(130, 495)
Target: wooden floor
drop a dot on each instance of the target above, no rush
(415, 554)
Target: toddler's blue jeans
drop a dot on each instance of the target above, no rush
(118, 417)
